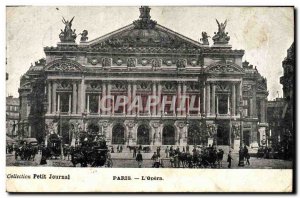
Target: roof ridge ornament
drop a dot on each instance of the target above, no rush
(144, 21)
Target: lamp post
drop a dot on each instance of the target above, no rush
(241, 153)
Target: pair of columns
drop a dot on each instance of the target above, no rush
(54, 98)
(211, 102)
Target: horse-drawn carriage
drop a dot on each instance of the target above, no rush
(92, 151)
(26, 149)
(204, 158)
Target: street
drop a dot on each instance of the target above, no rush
(126, 160)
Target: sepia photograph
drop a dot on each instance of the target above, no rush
(123, 90)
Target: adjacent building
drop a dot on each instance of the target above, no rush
(203, 94)
(274, 113)
(12, 116)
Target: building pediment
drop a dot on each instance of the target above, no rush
(224, 68)
(64, 65)
(135, 35)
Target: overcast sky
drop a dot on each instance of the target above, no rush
(264, 33)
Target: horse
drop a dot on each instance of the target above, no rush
(131, 148)
(146, 149)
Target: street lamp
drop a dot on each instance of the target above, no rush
(241, 154)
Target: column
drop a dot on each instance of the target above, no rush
(129, 97)
(251, 107)
(133, 97)
(70, 107)
(99, 104)
(207, 106)
(213, 99)
(178, 98)
(254, 103)
(233, 99)
(203, 99)
(79, 104)
(228, 105)
(88, 104)
(199, 102)
(109, 100)
(54, 97)
(217, 105)
(49, 98)
(103, 95)
(74, 98)
(184, 112)
(159, 98)
(238, 95)
(262, 110)
(154, 95)
(83, 96)
(58, 102)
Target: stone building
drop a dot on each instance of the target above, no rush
(288, 118)
(274, 112)
(12, 116)
(204, 93)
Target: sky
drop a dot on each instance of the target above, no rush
(265, 33)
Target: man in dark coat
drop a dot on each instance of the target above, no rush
(139, 159)
(229, 159)
(44, 155)
(134, 152)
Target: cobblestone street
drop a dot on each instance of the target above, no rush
(125, 160)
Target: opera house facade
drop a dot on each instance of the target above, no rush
(145, 84)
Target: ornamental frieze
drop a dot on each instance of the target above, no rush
(181, 63)
(119, 86)
(193, 86)
(169, 87)
(222, 67)
(106, 62)
(118, 61)
(64, 65)
(131, 62)
(64, 85)
(144, 86)
(221, 87)
(93, 86)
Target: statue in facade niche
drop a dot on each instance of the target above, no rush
(204, 38)
(84, 36)
(221, 37)
(68, 35)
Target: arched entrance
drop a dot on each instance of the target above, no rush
(118, 134)
(93, 128)
(143, 135)
(194, 135)
(168, 137)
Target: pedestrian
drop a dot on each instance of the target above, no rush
(229, 159)
(246, 155)
(139, 159)
(134, 152)
(121, 149)
(140, 148)
(158, 151)
(154, 158)
(118, 149)
(187, 148)
(167, 152)
(44, 156)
